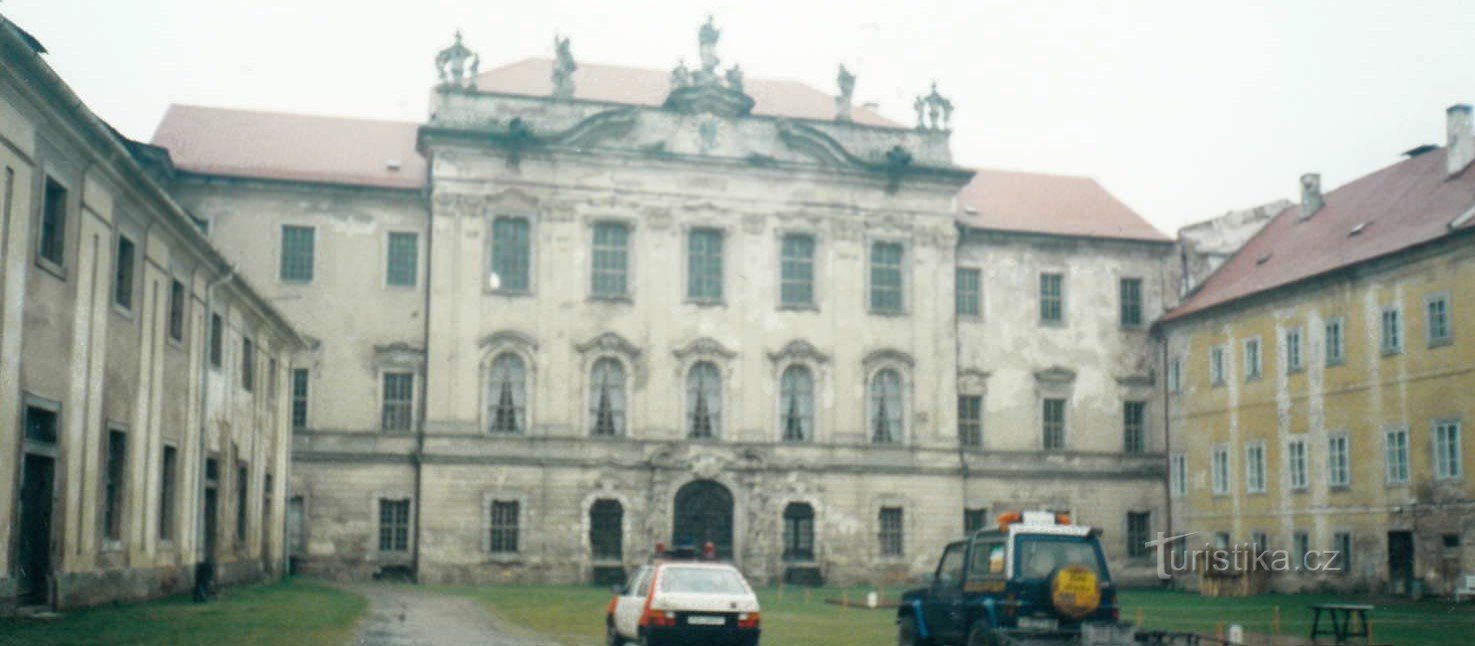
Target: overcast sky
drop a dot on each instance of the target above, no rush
(1182, 109)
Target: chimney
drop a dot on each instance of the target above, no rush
(1461, 146)
(1311, 201)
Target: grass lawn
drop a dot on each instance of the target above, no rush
(292, 612)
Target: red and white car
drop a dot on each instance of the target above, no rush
(684, 602)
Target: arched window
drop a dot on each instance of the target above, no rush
(798, 532)
(607, 398)
(886, 408)
(606, 530)
(796, 404)
(703, 401)
(507, 395)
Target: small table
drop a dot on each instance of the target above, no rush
(1341, 616)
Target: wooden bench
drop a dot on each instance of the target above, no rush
(1466, 590)
(1342, 617)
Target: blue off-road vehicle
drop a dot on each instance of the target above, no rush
(1035, 578)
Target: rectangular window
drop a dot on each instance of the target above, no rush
(168, 479)
(1221, 470)
(123, 264)
(178, 300)
(1134, 427)
(1338, 473)
(1296, 461)
(1052, 298)
(512, 254)
(1131, 302)
(504, 526)
(271, 378)
(1252, 359)
(891, 534)
(297, 254)
(796, 271)
(1447, 449)
(51, 243)
(975, 519)
(1342, 543)
(1052, 415)
(1335, 344)
(1139, 531)
(402, 261)
(704, 266)
(1300, 547)
(1255, 467)
(1395, 456)
(1180, 474)
(394, 525)
(1293, 350)
(609, 269)
(969, 296)
(1175, 375)
(217, 340)
(1436, 308)
(243, 490)
(1216, 366)
(970, 421)
(248, 364)
(41, 425)
(300, 378)
(886, 278)
(113, 485)
(1392, 331)
(396, 413)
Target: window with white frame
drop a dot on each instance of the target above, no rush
(1134, 427)
(297, 254)
(1175, 375)
(1179, 474)
(1052, 298)
(1216, 365)
(704, 266)
(1296, 463)
(968, 292)
(607, 398)
(703, 401)
(300, 389)
(402, 259)
(394, 525)
(886, 409)
(505, 526)
(1335, 350)
(970, 421)
(512, 254)
(1395, 455)
(1221, 469)
(1436, 310)
(1255, 467)
(796, 270)
(1342, 543)
(609, 271)
(1131, 302)
(796, 404)
(1293, 349)
(886, 278)
(1447, 449)
(507, 395)
(1300, 547)
(1252, 359)
(1338, 468)
(1052, 423)
(892, 531)
(1392, 331)
(397, 403)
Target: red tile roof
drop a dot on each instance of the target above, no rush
(638, 86)
(1051, 204)
(1398, 207)
(297, 147)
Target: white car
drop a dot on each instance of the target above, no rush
(684, 602)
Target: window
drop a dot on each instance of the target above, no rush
(1337, 471)
(1260, 541)
(1053, 424)
(300, 386)
(41, 425)
(1131, 302)
(1252, 359)
(1392, 331)
(796, 404)
(703, 401)
(1293, 350)
(1335, 345)
(1139, 528)
(969, 297)
(886, 409)
(1342, 543)
(1175, 375)
(177, 302)
(1296, 461)
(402, 262)
(1216, 366)
(1180, 474)
(1255, 467)
(607, 398)
(1447, 448)
(891, 533)
(507, 395)
(886, 278)
(796, 271)
(217, 340)
(168, 478)
(704, 266)
(504, 531)
(512, 254)
(1436, 308)
(123, 264)
(297, 254)
(1134, 425)
(396, 413)
(1052, 298)
(1395, 456)
(248, 364)
(970, 421)
(798, 532)
(394, 525)
(113, 485)
(606, 529)
(243, 487)
(1221, 470)
(609, 271)
(974, 519)
(51, 243)
(1450, 541)
(1300, 547)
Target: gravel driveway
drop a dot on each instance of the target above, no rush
(404, 614)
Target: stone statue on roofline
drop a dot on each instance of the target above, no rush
(680, 76)
(457, 66)
(735, 79)
(846, 81)
(707, 45)
(563, 69)
(933, 111)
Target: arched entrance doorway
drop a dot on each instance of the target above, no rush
(703, 513)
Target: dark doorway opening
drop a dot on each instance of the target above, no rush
(703, 514)
(36, 499)
(1400, 561)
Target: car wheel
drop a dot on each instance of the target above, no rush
(906, 632)
(982, 634)
(612, 636)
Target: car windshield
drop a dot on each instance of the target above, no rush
(1039, 557)
(701, 580)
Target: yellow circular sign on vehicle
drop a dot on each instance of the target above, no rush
(1075, 591)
